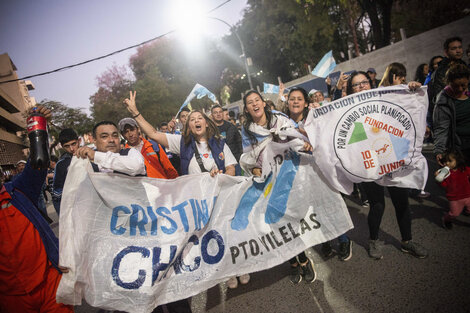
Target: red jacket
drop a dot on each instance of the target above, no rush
(157, 167)
(23, 259)
(457, 185)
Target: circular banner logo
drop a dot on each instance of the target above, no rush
(374, 138)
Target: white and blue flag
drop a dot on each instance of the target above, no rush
(326, 65)
(270, 88)
(198, 92)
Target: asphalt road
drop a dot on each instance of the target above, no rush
(397, 283)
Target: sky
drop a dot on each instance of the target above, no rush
(42, 35)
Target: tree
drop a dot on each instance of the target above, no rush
(66, 117)
(419, 16)
(113, 87)
(281, 39)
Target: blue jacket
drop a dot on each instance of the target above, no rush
(24, 192)
(187, 153)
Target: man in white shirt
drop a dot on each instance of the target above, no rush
(108, 156)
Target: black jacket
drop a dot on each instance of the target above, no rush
(444, 124)
(438, 82)
(232, 138)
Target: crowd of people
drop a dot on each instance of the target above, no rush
(219, 142)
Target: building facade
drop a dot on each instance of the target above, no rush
(14, 102)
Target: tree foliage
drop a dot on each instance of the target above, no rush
(113, 87)
(282, 37)
(66, 117)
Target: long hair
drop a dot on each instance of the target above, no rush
(249, 120)
(305, 95)
(211, 131)
(431, 62)
(394, 68)
(349, 88)
(419, 75)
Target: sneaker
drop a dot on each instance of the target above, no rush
(308, 272)
(232, 283)
(345, 250)
(446, 224)
(244, 279)
(365, 203)
(295, 275)
(375, 249)
(414, 249)
(326, 249)
(423, 194)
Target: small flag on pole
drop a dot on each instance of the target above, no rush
(326, 65)
(269, 88)
(198, 92)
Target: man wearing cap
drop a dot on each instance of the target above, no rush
(373, 74)
(156, 161)
(316, 96)
(20, 165)
(68, 139)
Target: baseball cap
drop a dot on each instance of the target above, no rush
(372, 70)
(127, 121)
(20, 161)
(311, 92)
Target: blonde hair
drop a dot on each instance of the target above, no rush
(394, 68)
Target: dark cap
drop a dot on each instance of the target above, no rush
(126, 121)
(371, 70)
(67, 135)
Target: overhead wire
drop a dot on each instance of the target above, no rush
(103, 56)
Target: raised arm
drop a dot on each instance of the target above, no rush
(145, 126)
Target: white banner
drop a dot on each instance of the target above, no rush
(375, 135)
(134, 243)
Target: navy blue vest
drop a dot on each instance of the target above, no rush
(187, 153)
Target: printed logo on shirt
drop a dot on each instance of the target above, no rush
(206, 156)
(223, 134)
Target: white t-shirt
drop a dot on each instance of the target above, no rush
(204, 151)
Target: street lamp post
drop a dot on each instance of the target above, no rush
(241, 45)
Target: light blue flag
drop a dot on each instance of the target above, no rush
(198, 92)
(325, 66)
(269, 88)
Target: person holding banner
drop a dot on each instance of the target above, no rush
(360, 81)
(256, 134)
(200, 147)
(297, 110)
(108, 156)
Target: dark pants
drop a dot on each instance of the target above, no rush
(302, 259)
(399, 196)
(180, 306)
(56, 203)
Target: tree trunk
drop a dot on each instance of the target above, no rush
(371, 8)
(352, 27)
(386, 8)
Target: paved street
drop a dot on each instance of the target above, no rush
(397, 283)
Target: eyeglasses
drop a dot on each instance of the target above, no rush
(363, 83)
